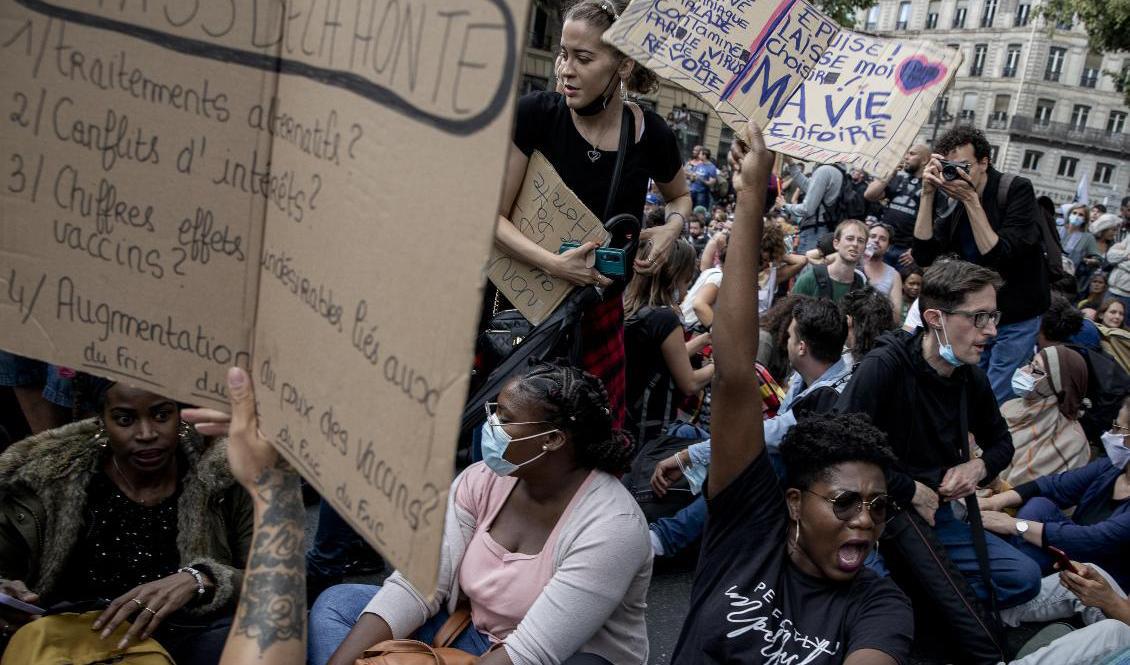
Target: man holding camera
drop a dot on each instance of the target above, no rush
(963, 213)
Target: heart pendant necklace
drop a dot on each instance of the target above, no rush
(595, 153)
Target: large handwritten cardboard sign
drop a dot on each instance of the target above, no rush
(278, 185)
(549, 213)
(819, 92)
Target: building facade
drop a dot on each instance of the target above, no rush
(1039, 95)
(1041, 99)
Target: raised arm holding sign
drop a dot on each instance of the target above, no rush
(821, 93)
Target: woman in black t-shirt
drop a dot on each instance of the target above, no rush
(578, 131)
(781, 577)
(658, 355)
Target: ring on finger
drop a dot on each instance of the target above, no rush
(149, 610)
(139, 603)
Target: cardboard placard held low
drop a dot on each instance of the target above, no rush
(547, 212)
(818, 91)
(267, 185)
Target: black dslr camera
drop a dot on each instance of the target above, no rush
(950, 168)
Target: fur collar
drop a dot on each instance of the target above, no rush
(54, 470)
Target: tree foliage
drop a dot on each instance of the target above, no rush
(1108, 29)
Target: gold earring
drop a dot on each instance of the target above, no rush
(184, 433)
(796, 539)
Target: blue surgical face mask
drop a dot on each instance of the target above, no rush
(1076, 220)
(496, 441)
(1023, 383)
(946, 350)
(1116, 450)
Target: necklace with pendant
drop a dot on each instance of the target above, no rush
(595, 154)
(132, 489)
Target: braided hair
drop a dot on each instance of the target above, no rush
(576, 402)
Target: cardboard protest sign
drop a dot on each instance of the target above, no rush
(200, 185)
(549, 213)
(819, 92)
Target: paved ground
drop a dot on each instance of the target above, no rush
(666, 602)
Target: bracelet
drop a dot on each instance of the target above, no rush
(673, 213)
(196, 575)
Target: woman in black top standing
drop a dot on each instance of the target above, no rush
(578, 131)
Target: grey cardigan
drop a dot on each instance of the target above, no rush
(594, 602)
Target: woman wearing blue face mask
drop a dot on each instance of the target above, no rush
(541, 540)
(1044, 418)
(1098, 530)
(1080, 246)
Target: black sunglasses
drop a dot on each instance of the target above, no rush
(847, 504)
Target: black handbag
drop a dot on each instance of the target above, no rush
(949, 620)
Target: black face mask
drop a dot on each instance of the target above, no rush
(600, 103)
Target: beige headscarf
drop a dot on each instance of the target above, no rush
(1046, 433)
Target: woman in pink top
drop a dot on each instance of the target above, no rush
(543, 541)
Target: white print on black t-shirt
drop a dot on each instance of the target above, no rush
(783, 645)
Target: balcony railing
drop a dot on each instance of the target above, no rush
(1065, 133)
(1008, 72)
(1052, 75)
(1089, 78)
(998, 120)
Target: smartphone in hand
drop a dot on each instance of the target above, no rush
(19, 605)
(1062, 559)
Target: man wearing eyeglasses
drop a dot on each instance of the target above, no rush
(964, 212)
(926, 392)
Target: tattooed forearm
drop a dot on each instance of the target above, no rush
(272, 607)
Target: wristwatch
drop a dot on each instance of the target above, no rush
(1021, 527)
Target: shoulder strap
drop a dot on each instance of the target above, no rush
(974, 513)
(858, 280)
(627, 126)
(823, 282)
(1002, 189)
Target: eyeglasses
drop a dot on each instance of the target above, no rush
(980, 319)
(492, 411)
(847, 504)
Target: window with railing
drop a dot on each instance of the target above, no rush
(1056, 57)
(1011, 61)
(1092, 69)
(903, 16)
(959, 15)
(1044, 109)
(1031, 160)
(725, 140)
(1079, 115)
(1115, 122)
(1023, 11)
(989, 13)
(872, 18)
(1103, 173)
(1067, 167)
(968, 108)
(994, 152)
(932, 15)
(539, 29)
(977, 67)
(532, 84)
(999, 117)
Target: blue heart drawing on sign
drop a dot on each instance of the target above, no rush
(917, 73)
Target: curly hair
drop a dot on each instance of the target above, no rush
(773, 241)
(576, 402)
(962, 135)
(871, 315)
(817, 443)
(1062, 321)
(601, 14)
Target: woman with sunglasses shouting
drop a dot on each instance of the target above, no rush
(546, 545)
(781, 576)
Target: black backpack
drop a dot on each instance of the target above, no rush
(850, 204)
(824, 281)
(1049, 235)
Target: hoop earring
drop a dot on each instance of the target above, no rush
(796, 539)
(623, 90)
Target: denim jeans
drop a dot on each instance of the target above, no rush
(1011, 348)
(18, 371)
(1016, 577)
(806, 239)
(701, 198)
(677, 532)
(337, 610)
